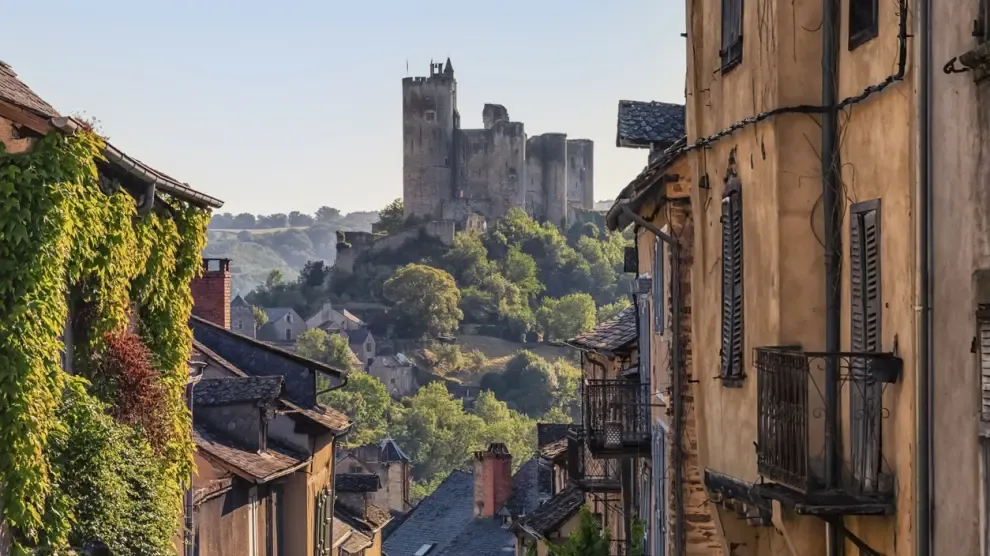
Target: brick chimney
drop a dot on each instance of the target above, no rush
(211, 292)
(492, 479)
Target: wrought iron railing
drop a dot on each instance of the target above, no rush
(617, 416)
(792, 411)
(590, 473)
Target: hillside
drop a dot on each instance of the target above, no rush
(272, 243)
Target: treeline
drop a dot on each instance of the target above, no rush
(294, 219)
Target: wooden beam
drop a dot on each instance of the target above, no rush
(25, 118)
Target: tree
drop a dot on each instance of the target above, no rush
(272, 221)
(244, 221)
(587, 540)
(327, 214)
(606, 312)
(331, 349)
(365, 400)
(298, 219)
(275, 278)
(566, 317)
(425, 300)
(520, 269)
(391, 219)
(260, 316)
(533, 386)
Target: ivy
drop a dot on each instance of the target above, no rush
(63, 237)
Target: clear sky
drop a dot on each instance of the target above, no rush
(281, 106)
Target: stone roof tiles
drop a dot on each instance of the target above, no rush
(641, 124)
(554, 513)
(357, 482)
(233, 390)
(16, 92)
(617, 333)
(262, 467)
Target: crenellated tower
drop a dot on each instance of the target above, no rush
(430, 121)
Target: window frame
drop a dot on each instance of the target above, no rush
(865, 32)
(659, 297)
(731, 52)
(731, 352)
(866, 307)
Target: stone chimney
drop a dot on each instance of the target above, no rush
(492, 479)
(211, 292)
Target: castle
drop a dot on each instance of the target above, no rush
(459, 175)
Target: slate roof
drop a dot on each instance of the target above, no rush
(373, 519)
(358, 336)
(641, 124)
(617, 333)
(554, 513)
(446, 518)
(262, 467)
(276, 313)
(357, 482)
(234, 390)
(550, 432)
(238, 301)
(525, 495)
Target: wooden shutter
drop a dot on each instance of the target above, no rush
(865, 396)
(324, 522)
(983, 332)
(660, 501)
(732, 286)
(644, 338)
(732, 19)
(659, 299)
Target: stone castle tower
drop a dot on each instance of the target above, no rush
(451, 173)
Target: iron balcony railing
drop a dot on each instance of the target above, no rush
(617, 417)
(791, 418)
(587, 472)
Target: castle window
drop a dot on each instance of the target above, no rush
(863, 22)
(431, 115)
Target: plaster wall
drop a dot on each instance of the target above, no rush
(960, 132)
(777, 163)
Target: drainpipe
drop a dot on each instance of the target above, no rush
(195, 375)
(676, 363)
(924, 401)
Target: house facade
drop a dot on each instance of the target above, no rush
(397, 373)
(390, 464)
(283, 327)
(242, 318)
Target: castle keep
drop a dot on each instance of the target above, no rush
(449, 173)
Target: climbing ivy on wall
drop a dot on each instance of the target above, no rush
(62, 238)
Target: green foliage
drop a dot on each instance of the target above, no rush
(260, 316)
(60, 234)
(331, 349)
(638, 536)
(533, 386)
(564, 318)
(424, 300)
(587, 540)
(391, 219)
(365, 400)
(606, 312)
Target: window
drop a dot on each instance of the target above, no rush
(732, 19)
(237, 325)
(288, 334)
(288, 318)
(368, 346)
(423, 550)
(431, 115)
(983, 337)
(865, 400)
(660, 501)
(732, 285)
(980, 27)
(324, 522)
(863, 22)
(659, 300)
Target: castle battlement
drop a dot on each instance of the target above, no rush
(456, 174)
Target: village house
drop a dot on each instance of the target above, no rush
(386, 460)
(265, 444)
(330, 319)
(283, 327)
(362, 521)
(469, 513)
(397, 373)
(362, 343)
(242, 318)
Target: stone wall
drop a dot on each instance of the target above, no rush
(429, 107)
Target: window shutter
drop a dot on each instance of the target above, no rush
(865, 396)
(659, 299)
(732, 286)
(644, 339)
(660, 492)
(732, 18)
(983, 328)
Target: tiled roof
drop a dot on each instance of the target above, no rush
(358, 336)
(233, 390)
(525, 495)
(554, 449)
(554, 513)
(276, 313)
(614, 334)
(446, 518)
(390, 451)
(351, 317)
(550, 432)
(356, 542)
(341, 531)
(373, 518)
(258, 467)
(238, 301)
(357, 482)
(642, 123)
(16, 92)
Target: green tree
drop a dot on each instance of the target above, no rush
(587, 540)
(425, 300)
(520, 269)
(566, 317)
(504, 425)
(275, 278)
(327, 214)
(331, 349)
(391, 219)
(606, 312)
(260, 316)
(365, 400)
(532, 385)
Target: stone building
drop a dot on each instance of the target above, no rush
(452, 174)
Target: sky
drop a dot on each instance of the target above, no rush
(281, 106)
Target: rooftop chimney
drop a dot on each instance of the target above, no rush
(211, 292)
(492, 479)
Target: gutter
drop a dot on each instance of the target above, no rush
(190, 537)
(143, 172)
(676, 364)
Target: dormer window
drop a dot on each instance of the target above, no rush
(288, 318)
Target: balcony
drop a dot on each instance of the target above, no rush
(791, 430)
(617, 417)
(587, 472)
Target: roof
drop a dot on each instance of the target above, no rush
(554, 513)
(341, 531)
(525, 495)
(328, 417)
(356, 542)
(357, 482)
(351, 317)
(374, 517)
(619, 332)
(238, 301)
(636, 192)
(233, 390)
(276, 313)
(551, 432)
(390, 451)
(554, 449)
(446, 518)
(641, 124)
(17, 93)
(275, 462)
(358, 336)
